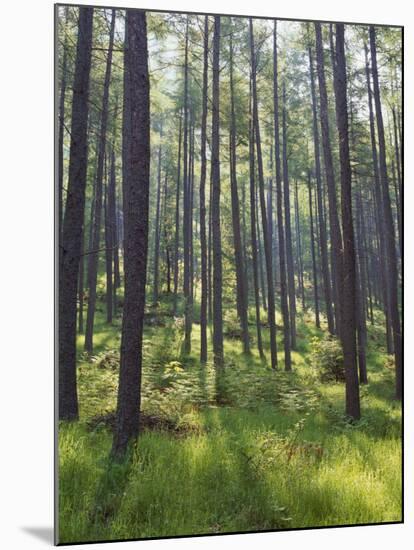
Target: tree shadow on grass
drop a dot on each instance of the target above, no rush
(110, 492)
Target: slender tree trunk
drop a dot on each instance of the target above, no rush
(113, 229)
(379, 216)
(177, 219)
(314, 268)
(321, 218)
(348, 309)
(216, 229)
(389, 225)
(71, 239)
(157, 226)
(136, 161)
(267, 247)
(203, 237)
(186, 215)
(279, 209)
(235, 208)
(108, 258)
(253, 229)
(288, 230)
(299, 247)
(335, 231)
(93, 258)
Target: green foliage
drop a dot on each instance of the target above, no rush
(279, 453)
(327, 359)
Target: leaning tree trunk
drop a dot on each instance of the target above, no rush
(279, 208)
(72, 227)
(235, 210)
(93, 258)
(203, 237)
(267, 246)
(349, 303)
(216, 229)
(388, 222)
(136, 161)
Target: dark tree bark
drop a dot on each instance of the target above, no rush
(177, 219)
(288, 230)
(157, 235)
(379, 216)
(136, 161)
(299, 247)
(314, 267)
(203, 236)
(267, 247)
(349, 305)
(81, 292)
(216, 229)
(279, 209)
(335, 231)
(235, 209)
(108, 257)
(253, 229)
(166, 234)
(93, 258)
(186, 213)
(71, 239)
(113, 230)
(388, 222)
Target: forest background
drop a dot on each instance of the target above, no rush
(28, 303)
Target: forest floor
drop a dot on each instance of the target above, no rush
(277, 453)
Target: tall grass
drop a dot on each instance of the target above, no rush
(279, 454)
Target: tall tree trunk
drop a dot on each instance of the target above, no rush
(203, 237)
(93, 258)
(235, 209)
(389, 225)
(216, 229)
(113, 228)
(379, 217)
(157, 235)
(186, 214)
(136, 161)
(108, 257)
(267, 247)
(177, 219)
(253, 229)
(279, 209)
(348, 309)
(321, 219)
(299, 247)
(314, 268)
(335, 231)
(71, 239)
(288, 230)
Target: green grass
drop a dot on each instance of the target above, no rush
(279, 453)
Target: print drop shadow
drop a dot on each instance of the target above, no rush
(44, 534)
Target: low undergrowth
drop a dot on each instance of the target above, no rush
(276, 453)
